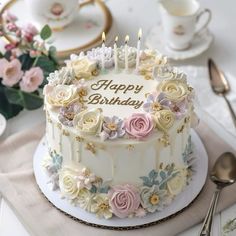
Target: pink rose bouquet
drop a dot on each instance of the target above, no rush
(139, 125)
(24, 66)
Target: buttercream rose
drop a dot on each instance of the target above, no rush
(68, 183)
(124, 200)
(164, 119)
(61, 95)
(83, 67)
(177, 183)
(139, 125)
(174, 89)
(89, 121)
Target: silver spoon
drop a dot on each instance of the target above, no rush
(223, 174)
(220, 85)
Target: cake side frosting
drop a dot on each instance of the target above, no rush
(114, 132)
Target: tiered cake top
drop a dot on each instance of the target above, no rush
(118, 93)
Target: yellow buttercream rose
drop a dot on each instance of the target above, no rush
(68, 183)
(177, 183)
(62, 95)
(83, 67)
(89, 121)
(174, 89)
(164, 119)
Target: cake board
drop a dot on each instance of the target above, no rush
(84, 33)
(180, 203)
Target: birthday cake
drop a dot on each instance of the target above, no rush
(118, 131)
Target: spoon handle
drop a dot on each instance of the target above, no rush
(206, 227)
(231, 110)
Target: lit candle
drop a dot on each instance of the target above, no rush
(126, 53)
(138, 48)
(103, 50)
(115, 54)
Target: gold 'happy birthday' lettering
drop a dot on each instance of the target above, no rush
(97, 98)
(108, 84)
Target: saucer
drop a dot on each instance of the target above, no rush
(3, 124)
(82, 34)
(156, 40)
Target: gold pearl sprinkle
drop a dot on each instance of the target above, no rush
(91, 147)
(66, 133)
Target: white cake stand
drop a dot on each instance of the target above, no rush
(179, 204)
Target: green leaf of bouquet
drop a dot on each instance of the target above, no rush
(46, 32)
(48, 66)
(26, 61)
(29, 101)
(7, 109)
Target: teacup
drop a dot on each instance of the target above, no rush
(56, 13)
(180, 20)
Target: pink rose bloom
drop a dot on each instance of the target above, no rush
(31, 80)
(10, 72)
(29, 31)
(139, 125)
(124, 200)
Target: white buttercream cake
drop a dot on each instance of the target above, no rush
(118, 132)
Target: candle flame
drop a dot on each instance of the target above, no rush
(103, 37)
(116, 39)
(126, 39)
(140, 32)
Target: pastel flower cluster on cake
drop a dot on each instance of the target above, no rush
(68, 89)
(83, 188)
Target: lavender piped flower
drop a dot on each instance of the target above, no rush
(96, 54)
(113, 128)
(67, 114)
(179, 109)
(156, 102)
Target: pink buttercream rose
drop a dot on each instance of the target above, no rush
(124, 200)
(31, 80)
(139, 125)
(10, 72)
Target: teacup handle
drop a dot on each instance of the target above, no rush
(85, 3)
(204, 26)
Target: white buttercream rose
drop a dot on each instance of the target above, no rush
(68, 183)
(164, 119)
(177, 183)
(89, 121)
(62, 95)
(174, 89)
(83, 67)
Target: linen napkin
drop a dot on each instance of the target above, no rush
(211, 103)
(18, 187)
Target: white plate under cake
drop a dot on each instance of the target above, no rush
(118, 132)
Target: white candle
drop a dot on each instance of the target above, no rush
(126, 53)
(115, 54)
(138, 48)
(103, 50)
